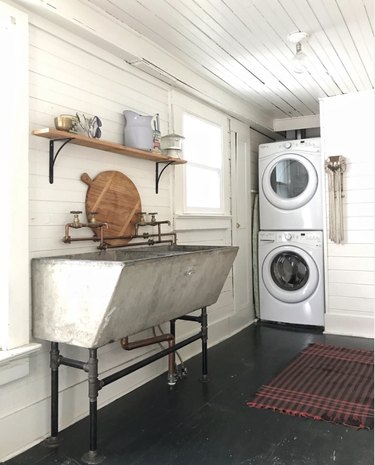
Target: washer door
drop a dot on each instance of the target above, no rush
(289, 181)
(290, 274)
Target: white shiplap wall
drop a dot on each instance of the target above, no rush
(67, 74)
(347, 125)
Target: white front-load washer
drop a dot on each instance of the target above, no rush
(291, 284)
(291, 185)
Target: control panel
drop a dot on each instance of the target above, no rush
(292, 237)
(300, 237)
(299, 145)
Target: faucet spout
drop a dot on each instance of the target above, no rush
(76, 224)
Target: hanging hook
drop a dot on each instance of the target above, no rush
(335, 167)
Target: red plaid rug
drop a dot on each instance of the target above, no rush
(324, 383)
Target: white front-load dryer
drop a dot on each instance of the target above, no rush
(291, 185)
(291, 284)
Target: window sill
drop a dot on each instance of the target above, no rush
(202, 221)
(15, 363)
(203, 215)
(7, 356)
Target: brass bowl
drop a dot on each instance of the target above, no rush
(64, 122)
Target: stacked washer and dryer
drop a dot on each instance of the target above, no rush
(291, 281)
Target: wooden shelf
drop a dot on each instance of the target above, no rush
(54, 135)
(98, 144)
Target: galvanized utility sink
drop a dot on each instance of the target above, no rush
(94, 298)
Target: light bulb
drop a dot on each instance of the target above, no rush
(300, 60)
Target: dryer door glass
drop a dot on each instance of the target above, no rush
(289, 181)
(289, 178)
(289, 271)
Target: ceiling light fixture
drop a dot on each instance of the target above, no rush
(300, 59)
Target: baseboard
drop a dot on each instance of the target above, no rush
(349, 325)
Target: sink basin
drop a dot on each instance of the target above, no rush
(91, 299)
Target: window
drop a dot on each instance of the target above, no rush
(203, 149)
(202, 185)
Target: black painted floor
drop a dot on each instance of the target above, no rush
(209, 424)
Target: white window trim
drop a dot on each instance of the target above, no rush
(15, 299)
(18, 352)
(199, 222)
(181, 104)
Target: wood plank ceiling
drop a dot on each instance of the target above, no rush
(242, 45)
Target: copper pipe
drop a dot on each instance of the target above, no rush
(104, 246)
(151, 223)
(139, 236)
(159, 231)
(126, 345)
(102, 236)
(68, 239)
(66, 236)
(136, 244)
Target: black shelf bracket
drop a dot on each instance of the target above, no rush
(53, 156)
(158, 174)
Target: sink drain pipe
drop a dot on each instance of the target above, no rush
(95, 384)
(172, 375)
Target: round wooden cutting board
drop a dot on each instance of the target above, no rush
(117, 202)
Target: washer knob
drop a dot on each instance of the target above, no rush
(288, 236)
(287, 145)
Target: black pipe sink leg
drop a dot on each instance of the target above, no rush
(204, 378)
(92, 457)
(53, 440)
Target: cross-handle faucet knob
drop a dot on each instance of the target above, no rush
(92, 218)
(153, 216)
(76, 214)
(142, 219)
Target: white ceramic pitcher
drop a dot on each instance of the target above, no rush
(138, 130)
